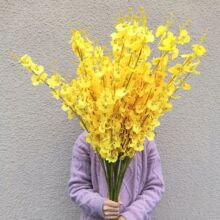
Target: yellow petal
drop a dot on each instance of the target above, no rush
(43, 76)
(26, 61)
(120, 93)
(37, 68)
(199, 50)
(186, 86)
(64, 107)
(150, 135)
(55, 94)
(35, 80)
(70, 114)
(54, 80)
(161, 30)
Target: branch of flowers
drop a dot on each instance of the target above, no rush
(130, 78)
(81, 59)
(184, 78)
(146, 115)
(174, 77)
(156, 66)
(14, 56)
(86, 74)
(71, 108)
(139, 55)
(134, 67)
(127, 139)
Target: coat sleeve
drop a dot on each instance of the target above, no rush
(153, 189)
(79, 186)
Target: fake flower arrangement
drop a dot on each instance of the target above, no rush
(120, 95)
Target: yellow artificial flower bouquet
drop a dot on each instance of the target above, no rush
(120, 95)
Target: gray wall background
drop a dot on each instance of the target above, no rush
(36, 138)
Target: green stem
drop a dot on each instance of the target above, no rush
(122, 172)
(117, 166)
(111, 180)
(114, 174)
(104, 168)
(107, 178)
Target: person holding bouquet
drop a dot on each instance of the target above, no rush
(119, 97)
(142, 186)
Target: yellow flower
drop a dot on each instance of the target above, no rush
(183, 37)
(64, 89)
(162, 29)
(150, 36)
(120, 95)
(170, 90)
(102, 126)
(64, 107)
(169, 44)
(54, 80)
(37, 69)
(98, 52)
(69, 99)
(88, 138)
(38, 79)
(81, 106)
(177, 69)
(186, 86)
(174, 52)
(136, 128)
(198, 49)
(26, 60)
(168, 107)
(70, 114)
(152, 105)
(137, 147)
(82, 47)
(56, 93)
(150, 135)
(105, 101)
(191, 67)
(130, 152)
(84, 83)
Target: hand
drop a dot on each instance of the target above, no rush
(111, 209)
(121, 218)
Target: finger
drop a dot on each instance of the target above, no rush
(111, 217)
(111, 213)
(112, 203)
(112, 209)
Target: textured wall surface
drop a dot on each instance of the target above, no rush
(36, 138)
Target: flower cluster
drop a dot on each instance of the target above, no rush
(120, 95)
